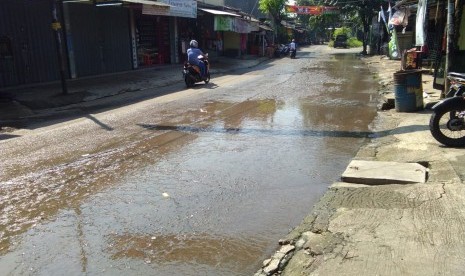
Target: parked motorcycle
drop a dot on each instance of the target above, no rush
(192, 74)
(281, 50)
(447, 123)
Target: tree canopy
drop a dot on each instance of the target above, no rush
(359, 12)
(274, 7)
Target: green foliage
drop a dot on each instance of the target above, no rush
(365, 10)
(274, 7)
(353, 42)
(344, 30)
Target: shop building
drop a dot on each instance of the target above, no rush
(94, 37)
(226, 30)
(27, 43)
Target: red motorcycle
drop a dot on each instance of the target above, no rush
(192, 73)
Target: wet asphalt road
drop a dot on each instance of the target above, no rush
(203, 181)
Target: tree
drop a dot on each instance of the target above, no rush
(275, 8)
(320, 25)
(365, 9)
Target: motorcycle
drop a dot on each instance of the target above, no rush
(447, 123)
(293, 52)
(192, 74)
(281, 50)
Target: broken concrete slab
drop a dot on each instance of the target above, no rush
(381, 172)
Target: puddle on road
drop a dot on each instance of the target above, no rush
(209, 192)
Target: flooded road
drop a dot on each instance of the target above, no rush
(204, 181)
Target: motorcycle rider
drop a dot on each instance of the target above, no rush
(293, 46)
(192, 56)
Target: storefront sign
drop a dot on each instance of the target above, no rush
(244, 27)
(241, 26)
(253, 27)
(224, 23)
(155, 10)
(182, 8)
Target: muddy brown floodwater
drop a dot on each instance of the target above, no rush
(208, 197)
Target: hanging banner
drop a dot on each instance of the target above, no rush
(223, 23)
(393, 46)
(331, 10)
(311, 10)
(420, 26)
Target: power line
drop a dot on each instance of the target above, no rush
(256, 2)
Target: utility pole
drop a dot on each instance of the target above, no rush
(57, 27)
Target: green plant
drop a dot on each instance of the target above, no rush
(354, 42)
(344, 30)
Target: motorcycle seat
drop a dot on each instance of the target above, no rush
(457, 76)
(195, 67)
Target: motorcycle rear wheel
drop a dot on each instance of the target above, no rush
(448, 126)
(207, 80)
(189, 82)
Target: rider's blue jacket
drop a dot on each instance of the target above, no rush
(192, 55)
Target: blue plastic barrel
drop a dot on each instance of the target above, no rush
(408, 91)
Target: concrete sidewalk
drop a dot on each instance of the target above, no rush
(23, 103)
(389, 229)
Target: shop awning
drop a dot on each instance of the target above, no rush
(216, 12)
(148, 2)
(265, 27)
(114, 2)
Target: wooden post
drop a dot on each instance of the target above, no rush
(450, 37)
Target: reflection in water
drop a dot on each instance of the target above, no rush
(342, 105)
(188, 249)
(238, 173)
(267, 132)
(38, 196)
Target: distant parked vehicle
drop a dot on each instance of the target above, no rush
(341, 41)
